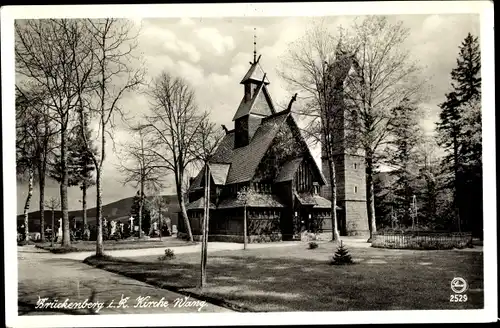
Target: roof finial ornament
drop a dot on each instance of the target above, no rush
(294, 98)
(254, 45)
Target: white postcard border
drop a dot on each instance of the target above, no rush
(484, 8)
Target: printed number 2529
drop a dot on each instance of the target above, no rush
(457, 298)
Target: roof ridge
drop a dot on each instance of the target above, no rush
(271, 103)
(276, 114)
(255, 95)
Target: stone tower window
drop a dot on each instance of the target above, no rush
(355, 189)
(355, 165)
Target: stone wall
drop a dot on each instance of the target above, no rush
(354, 178)
(351, 192)
(357, 218)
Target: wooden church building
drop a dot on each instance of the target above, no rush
(266, 153)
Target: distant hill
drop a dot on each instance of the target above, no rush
(118, 211)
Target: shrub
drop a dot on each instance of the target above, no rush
(169, 255)
(62, 250)
(313, 245)
(341, 256)
(93, 233)
(25, 242)
(105, 232)
(126, 232)
(86, 234)
(116, 236)
(165, 231)
(308, 236)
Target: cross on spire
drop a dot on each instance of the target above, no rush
(254, 45)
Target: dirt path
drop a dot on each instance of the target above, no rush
(212, 247)
(44, 275)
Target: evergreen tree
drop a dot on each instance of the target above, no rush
(459, 133)
(403, 155)
(466, 76)
(342, 256)
(55, 167)
(79, 162)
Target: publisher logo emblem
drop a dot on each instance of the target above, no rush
(458, 285)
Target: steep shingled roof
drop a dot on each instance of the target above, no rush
(245, 160)
(254, 74)
(258, 200)
(305, 198)
(315, 200)
(288, 169)
(260, 104)
(218, 171)
(323, 202)
(196, 183)
(198, 204)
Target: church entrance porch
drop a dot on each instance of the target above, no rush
(306, 219)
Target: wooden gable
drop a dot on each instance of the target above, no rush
(287, 151)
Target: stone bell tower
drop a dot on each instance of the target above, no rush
(349, 161)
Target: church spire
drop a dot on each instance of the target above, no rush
(254, 45)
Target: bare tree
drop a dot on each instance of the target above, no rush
(52, 204)
(45, 56)
(41, 135)
(383, 77)
(245, 195)
(203, 148)
(355, 80)
(114, 75)
(317, 67)
(174, 124)
(138, 166)
(26, 126)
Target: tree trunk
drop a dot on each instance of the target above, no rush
(245, 226)
(206, 208)
(52, 230)
(99, 249)
(333, 184)
(141, 198)
(141, 204)
(370, 195)
(27, 205)
(159, 222)
(41, 186)
(84, 204)
(66, 240)
(456, 184)
(180, 196)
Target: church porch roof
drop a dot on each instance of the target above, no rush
(257, 200)
(288, 170)
(198, 204)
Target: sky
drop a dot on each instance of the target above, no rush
(213, 54)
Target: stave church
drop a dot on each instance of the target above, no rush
(265, 152)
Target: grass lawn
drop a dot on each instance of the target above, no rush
(85, 246)
(294, 278)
